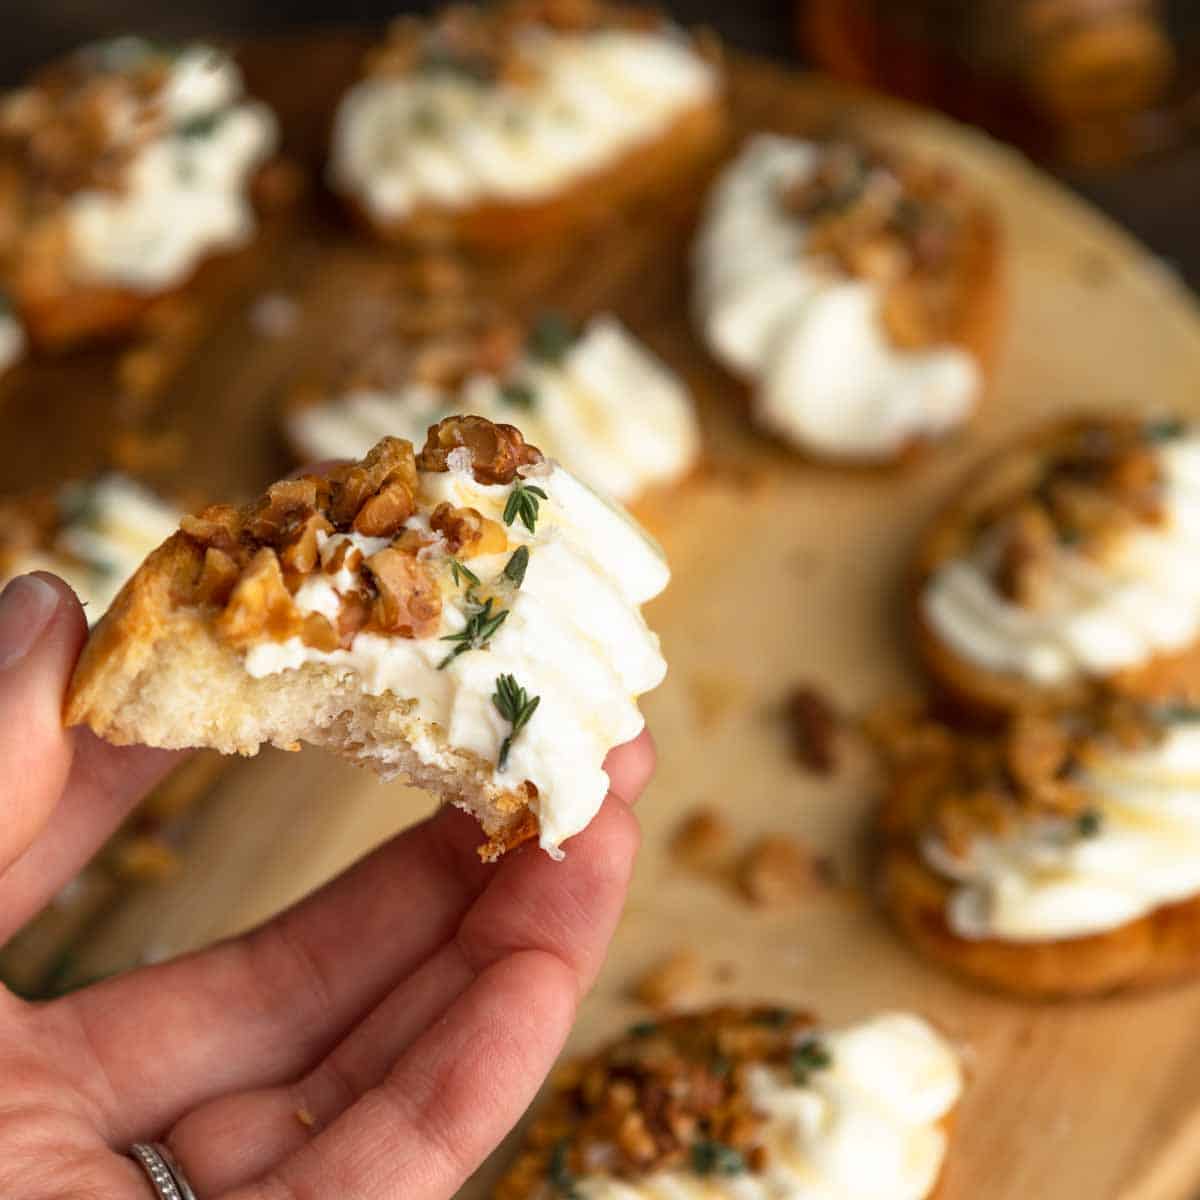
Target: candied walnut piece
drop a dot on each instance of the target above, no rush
(319, 633)
(1038, 750)
(776, 871)
(409, 601)
(260, 605)
(670, 982)
(467, 531)
(1026, 555)
(218, 575)
(388, 461)
(813, 725)
(219, 525)
(497, 451)
(286, 504)
(300, 554)
(384, 514)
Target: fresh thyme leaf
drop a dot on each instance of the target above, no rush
(518, 394)
(425, 120)
(720, 1066)
(562, 1179)
(1089, 823)
(643, 1029)
(516, 567)
(200, 126)
(481, 627)
(517, 707)
(78, 504)
(715, 1158)
(809, 1056)
(1165, 430)
(460, 572)
(523, 504)
(551, 337)
(441, 59)
(1177, 714)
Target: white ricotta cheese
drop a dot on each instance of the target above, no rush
(1142, 599)
(440, 139)
(811, 341)
(1046, 881)
(611, 412)
(187, 189)
(869, 1127)
(574, 636)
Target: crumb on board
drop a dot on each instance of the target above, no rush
(672, 981)
(702, 839)
(779, 870)
(813, 727)
(713, 695)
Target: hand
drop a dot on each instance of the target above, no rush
(374, 1042)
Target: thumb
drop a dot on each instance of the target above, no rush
(42, 629)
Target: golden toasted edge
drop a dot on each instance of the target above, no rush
(694, 139)
(123, 643)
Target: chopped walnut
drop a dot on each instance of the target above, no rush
(219, 525)
(384, 514)
(286, 504)
(467, 531)
(218, 575)
(703, 839)
(671, 982)
(410, 602)
(388, 461)
(260, 605)
(813, 723)
(299, 553)
(497, 452)
(777, 871)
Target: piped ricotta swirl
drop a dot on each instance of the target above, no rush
(869, 1127)
(1099, 616)
(185, 191)
(811, 340)
(1049, 880)
(609, 410)
(437, 138)
(574, 636)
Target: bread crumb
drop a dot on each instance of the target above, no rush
(671, 981)
(305, 1117)
(702, 839)
(779, 870)
(813, 725)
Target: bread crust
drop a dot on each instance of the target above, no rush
(991, 694)
(694, 140)
(1160, 948)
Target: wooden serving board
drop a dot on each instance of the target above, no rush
(785, 572)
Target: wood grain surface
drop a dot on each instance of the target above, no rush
(786, 572)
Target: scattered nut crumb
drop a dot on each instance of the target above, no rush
(813, 724)
(713, 695)
(779, 870)
(702, 838)
(305, 1117)
(274, 315)
(671, 982)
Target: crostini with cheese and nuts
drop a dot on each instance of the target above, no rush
(1055, 857)
(467, 617)
(122, 168)
(493, 125)
(1066, 564)
(855, 290)
(747, 1103)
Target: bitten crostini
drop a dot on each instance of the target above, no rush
(508, 122)
(1066, 563)
(1056, 857)
(467, 617)
(122, 169)
(855, 290)
(747, 1103)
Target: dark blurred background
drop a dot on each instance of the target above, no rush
(1157, 196)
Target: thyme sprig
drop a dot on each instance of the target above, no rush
(461, 571)
(551, 337)
(811, 1055)
(482, 625)
(518, 393)
(711, 1157)
(517, 707)
(1089, 822)
(515, 568)
(523, 503)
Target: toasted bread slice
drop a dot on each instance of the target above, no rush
(467, 618)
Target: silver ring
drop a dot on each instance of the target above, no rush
(165, 1174)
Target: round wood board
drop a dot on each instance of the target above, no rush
(785, 572)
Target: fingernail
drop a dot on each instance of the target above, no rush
(26, 606)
